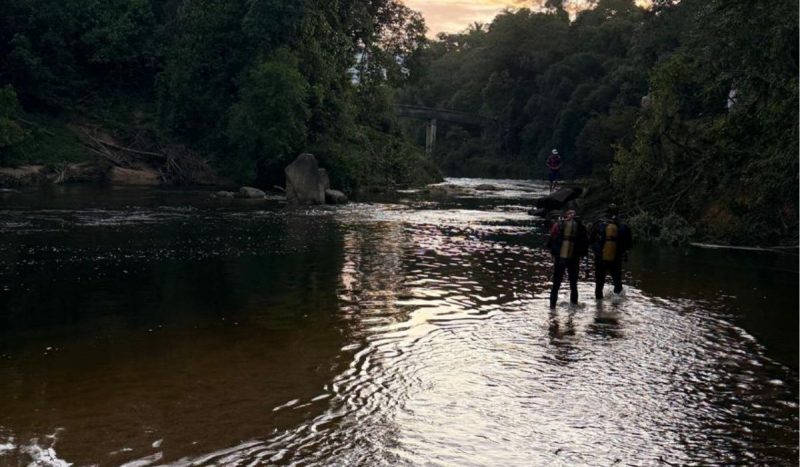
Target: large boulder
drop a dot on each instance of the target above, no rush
(251, 193)
(335, 197)
(304, 185)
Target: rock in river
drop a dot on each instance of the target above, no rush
(335, 197)
(223, 194)
(558, 199)
(252, 193)
(303, 182)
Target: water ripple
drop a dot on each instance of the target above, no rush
(451, 355)
(461, 363)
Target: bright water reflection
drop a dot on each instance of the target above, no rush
(375, 334)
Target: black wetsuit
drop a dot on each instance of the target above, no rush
(566, 259)
(602, 267)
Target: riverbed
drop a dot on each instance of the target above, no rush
(153, 326)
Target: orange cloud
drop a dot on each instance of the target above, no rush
(456, 15)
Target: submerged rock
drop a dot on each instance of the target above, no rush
(443, 190)
(251, 193)
(223, 194)
(539, 212)
(335, 197)
(486, 187)
(304, 185)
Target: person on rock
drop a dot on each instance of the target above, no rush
(611, 239)
(554, 167)
(568, 242)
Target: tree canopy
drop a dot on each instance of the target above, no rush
(638, 98)
(686, 109)
(249, 82)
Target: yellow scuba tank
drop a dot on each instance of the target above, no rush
(568, 231)
(610, 242)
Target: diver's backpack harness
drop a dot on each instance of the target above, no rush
(569, 230)
(609, 241)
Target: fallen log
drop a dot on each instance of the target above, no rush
(774, 249)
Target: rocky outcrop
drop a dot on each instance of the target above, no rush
(251, 193)
(23, 175)
(556, 200)
(304, 185)
(335, 197)
(307, 183)
(123, 176)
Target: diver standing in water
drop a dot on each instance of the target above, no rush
(611, 239)
(567, 243)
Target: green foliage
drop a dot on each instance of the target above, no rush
(732, 172)
(636, 97)
(38, 140)
(547, 82)
(269, 121)
(55, 53)
(378, 160)
(46, 141)
(11, 132)
(248, 83)
(671, 229)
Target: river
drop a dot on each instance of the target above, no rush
(147, 327)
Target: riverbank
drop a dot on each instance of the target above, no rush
(97, 172)
(672, 228)
(55, 152)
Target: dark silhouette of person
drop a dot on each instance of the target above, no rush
(567, 243)
(611, 239)
(554, 167)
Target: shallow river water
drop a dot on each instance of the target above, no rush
(159, 327)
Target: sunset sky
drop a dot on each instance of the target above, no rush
(455, 15)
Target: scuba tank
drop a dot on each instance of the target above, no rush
(610, 241)
(569, 230)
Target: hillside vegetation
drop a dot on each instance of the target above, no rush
(685, 113)
(246, 84)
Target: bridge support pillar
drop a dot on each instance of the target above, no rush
(430, 136)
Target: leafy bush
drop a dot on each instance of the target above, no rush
(671, 229)
(11, 132)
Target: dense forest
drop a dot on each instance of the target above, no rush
(684, 112)
(248, 84)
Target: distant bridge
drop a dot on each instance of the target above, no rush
(432, 115)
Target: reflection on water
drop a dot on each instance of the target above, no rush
(374, 334)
